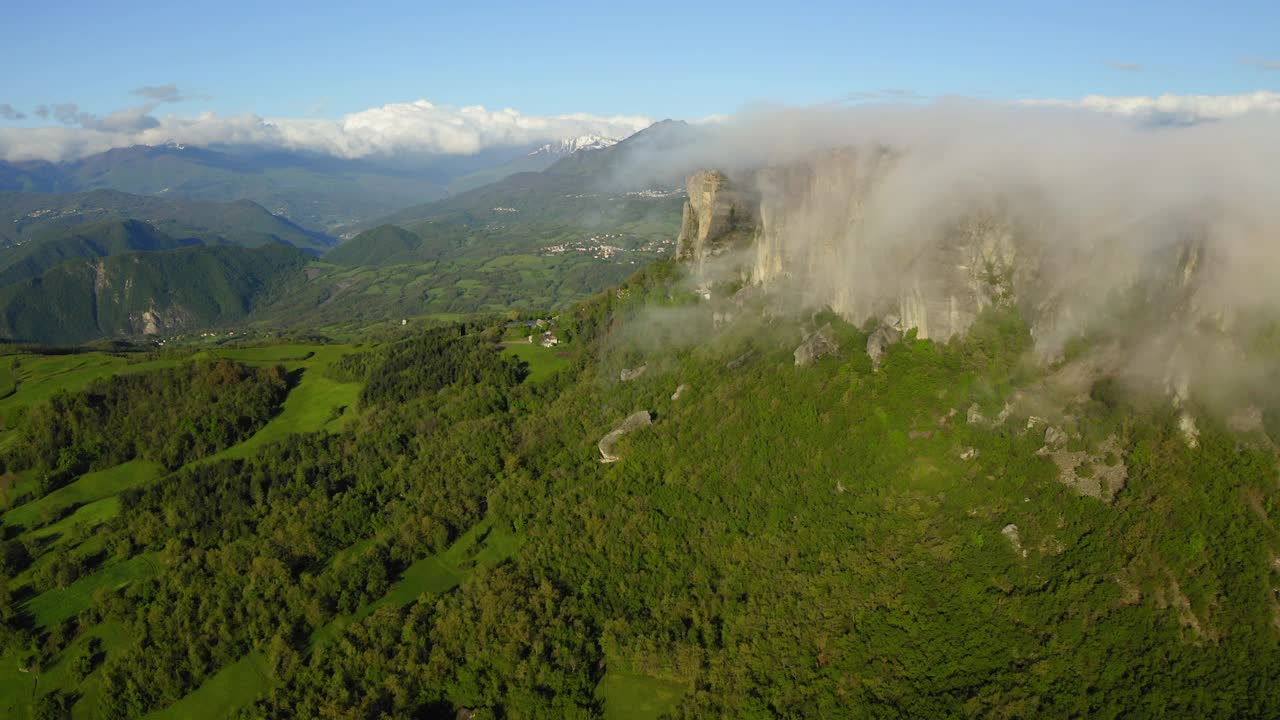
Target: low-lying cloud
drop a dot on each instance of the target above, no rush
(160, 93)
(1184, 109)
(397, 129)
(1166, 238)
(425, 128)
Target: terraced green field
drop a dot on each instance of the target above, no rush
(316, 403)
(266, 354)
(17, 688)
(79, 523)
(236, 685)
(481, 546)
(543, 362)
(222, 695)
(8, 382)
(87, 489)
(37, 377)
(68, 515)
(58, 604)
(92, 499)
(635, 696)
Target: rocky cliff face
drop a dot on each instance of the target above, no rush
(855, 232)
(718, 217)
(812, 232)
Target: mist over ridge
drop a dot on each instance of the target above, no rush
(1158, 239)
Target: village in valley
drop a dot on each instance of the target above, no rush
(537, 343)
(606, 246)
(539, 332)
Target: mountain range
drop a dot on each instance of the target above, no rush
(538, 239)
(145, 293)
(319, 192)
(27, 217)
(535, 160)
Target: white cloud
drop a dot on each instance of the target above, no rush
(1173, 108)
(419, 127)
(160, 93)
(425, 128)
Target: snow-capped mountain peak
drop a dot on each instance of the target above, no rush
(560, 148)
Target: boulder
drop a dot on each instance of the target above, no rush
(818, 344)
(629, 374)
(1055, 437)
(679, 391)
(635, 421)
(718, 215)
(739, 361)
(974, 415)
(879, 341)
(1190, 432)
(1011, 532)
(1088, 473)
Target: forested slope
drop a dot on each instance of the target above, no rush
(784, 540)
(145, 293)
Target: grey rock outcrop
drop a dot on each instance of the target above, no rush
(629, 374)
(1190, 431)
(820, 343)
(739, 361)
(1014, 537)
(879, 341)
(821, 238)
(1054, 437)
(717, 216)
(679, 391)
(1101, 474)
(634, 422)
(974, 415)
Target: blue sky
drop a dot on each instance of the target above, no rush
(660, 59)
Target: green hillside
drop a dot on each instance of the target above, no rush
(151, 292)
(427, 518)
(25, 217)
(317, 192)
(33, 176)
(531, 240)
(109, 237)
(532, 162)
(586, 189)
(380, 245)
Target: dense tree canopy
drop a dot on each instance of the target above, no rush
(826, 541)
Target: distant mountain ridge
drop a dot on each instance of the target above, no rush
(588, 172)
(29, 216)
(93, 240)
(573, 145)
(376, 246)
(318, 191)
(143, 293)
(535, 160)
(582, 195)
